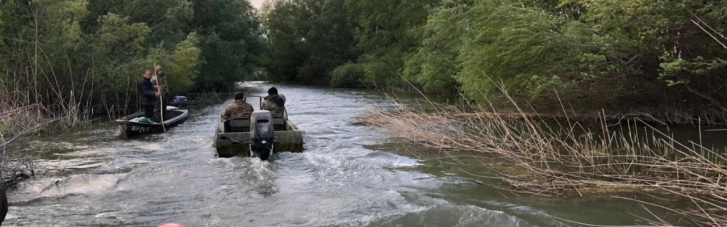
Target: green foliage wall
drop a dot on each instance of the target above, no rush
(95, 51)
(309, 39)
(615, 54)
(634, 55)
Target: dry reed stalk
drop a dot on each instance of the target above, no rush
(15, 121)
(19, 116)
(557, 161)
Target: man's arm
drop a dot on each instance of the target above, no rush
(226, 113)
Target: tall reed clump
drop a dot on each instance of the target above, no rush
(17, 120)
(22, 112)
(563, 157)
(19, 112)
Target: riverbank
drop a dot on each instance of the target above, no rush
(565, 158)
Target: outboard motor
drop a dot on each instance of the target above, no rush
(180, 102)
(262, 134)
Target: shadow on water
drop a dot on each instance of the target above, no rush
(348, 176)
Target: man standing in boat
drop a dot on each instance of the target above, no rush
(239, 108)
(160, 83)
(274, 102)
(147, 95)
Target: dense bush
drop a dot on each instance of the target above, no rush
(652, 56)
(348, 75)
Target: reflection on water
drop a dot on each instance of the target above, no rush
(347, 176)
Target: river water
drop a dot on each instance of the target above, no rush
(348, 176)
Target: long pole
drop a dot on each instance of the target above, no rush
(161, 97)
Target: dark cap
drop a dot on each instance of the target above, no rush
(273, 91)
(239, 96)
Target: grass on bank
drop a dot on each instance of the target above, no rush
(567, 158)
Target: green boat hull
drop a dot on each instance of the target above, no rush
(233, 144)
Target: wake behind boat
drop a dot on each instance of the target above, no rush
(131, 125)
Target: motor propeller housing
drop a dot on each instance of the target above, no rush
(262, 134)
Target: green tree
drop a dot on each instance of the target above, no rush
(180, 65)
(287, 25)
(435, 63)
(230, 37)
(93, 52)
(310, 38)
(387, 32)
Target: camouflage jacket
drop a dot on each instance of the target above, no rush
(160, 80)
(275, 104)
(239, 108)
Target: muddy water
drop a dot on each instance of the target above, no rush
(348, 176)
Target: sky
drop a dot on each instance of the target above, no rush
(257, 3)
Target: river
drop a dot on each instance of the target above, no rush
(348, 176)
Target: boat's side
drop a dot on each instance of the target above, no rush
(231, 144)
(290, 140)
(181, 118)
(130, 128)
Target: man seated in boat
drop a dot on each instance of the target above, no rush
(238, 109)
(274, 102)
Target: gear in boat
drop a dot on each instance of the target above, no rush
(260, 135)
